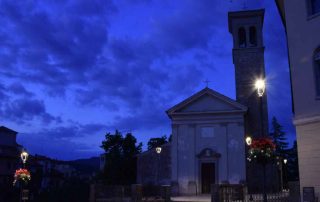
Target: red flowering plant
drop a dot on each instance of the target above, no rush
(261, 150)
(22, 175)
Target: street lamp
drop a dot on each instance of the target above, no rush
(24, 157)
(285, 161)
(23, 192)
(158, 151)
(260, 86)
(248, 140)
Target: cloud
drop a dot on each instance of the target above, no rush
(25, 110)
(18, 89)
(191, 26)
(139, 67)
(64, 149)
(74, 130)
(129, 60)
(53, 47)
(64, 142)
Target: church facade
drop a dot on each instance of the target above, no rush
(207, 142)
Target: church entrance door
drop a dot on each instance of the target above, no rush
(207, 177)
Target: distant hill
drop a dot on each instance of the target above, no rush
(87, 166)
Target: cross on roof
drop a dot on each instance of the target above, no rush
(207, 82)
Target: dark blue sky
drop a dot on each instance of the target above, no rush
(72, 70)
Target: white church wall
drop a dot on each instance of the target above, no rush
(190, 137)
(217, 143)
(236, 153)
(185, 156)
(174, 154)
(201, 133)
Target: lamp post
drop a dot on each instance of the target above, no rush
(260, 87)
(280, 164)
(248, 142)
(158, 151)
(285, 161)
(24, 157)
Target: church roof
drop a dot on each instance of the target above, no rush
(225, 103)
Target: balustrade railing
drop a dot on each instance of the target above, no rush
(238, 193)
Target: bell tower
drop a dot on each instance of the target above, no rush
(248, 59)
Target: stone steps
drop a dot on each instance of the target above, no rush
(198, 198)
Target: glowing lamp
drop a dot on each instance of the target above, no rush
(260, 86)
(249, 141)
(24, 156)
(158, 150)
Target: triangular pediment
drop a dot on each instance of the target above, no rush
(207, 101)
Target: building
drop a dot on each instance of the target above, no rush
(302, 24)
(9, 155)
(49, 172)
(207, 142)
(9, 162)
(209, 129)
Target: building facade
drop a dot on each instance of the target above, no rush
(9, 160)
(9, 155)
(207, 142)
(301, 19)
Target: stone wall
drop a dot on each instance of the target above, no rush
(308, 152)
(153, 168)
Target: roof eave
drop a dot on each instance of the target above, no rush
(3, 128)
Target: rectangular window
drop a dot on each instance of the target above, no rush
(207, 132)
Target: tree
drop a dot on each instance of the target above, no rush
(157, 142)
(120, 158)
(130, 150)
(279, 138)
